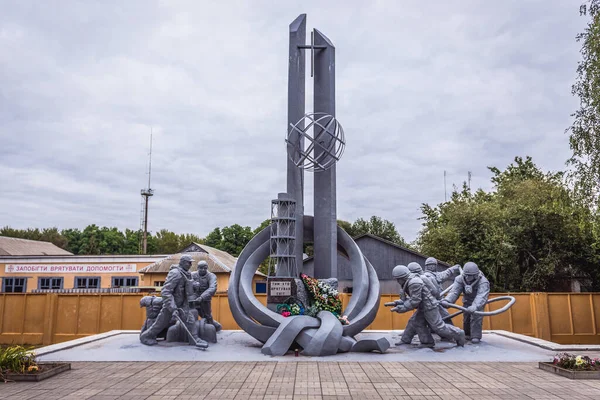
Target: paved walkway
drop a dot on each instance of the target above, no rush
(303, 380)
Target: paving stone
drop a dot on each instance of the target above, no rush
(302, 380)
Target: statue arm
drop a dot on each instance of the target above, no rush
(454, 294)
(483, 292)
(212, 287)
(416, 295)
(168, 289)
(448, 274)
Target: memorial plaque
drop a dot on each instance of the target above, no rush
(280, 289)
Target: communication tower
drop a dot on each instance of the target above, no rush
(146, 194)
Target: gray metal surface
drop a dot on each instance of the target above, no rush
(283, 236)
(237, 346)
(325, 233)
(296, 109)
(260, 322)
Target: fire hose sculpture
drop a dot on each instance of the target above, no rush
(471, 283)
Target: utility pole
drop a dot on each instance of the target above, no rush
(445, 193)
(469, 178)
(146, 194)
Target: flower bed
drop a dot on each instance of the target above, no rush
(573, 367)
(18, 363)
(44, 371)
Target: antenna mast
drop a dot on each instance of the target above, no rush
(146, 194)
(445, 193)
(469, 180)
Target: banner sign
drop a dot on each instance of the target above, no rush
(69, 269)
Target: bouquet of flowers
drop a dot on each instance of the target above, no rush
(288, 310)
(324, 297)
(577, 363)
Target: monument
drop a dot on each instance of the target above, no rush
(315, 142)
(173, 313)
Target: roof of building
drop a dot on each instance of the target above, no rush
(23, 247)
(416, 253)
(406, 249)
(219, 261)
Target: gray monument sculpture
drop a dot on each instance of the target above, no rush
(412, 328)
(315, 142)
(433, 280)
(176, 293)
(205, 287)
(475, 288)
(153, 306)
(420, 298)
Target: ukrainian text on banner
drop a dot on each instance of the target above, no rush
(68, 269)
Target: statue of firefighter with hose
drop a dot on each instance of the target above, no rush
(474, 287)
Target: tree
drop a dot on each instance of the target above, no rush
(132, 242)
(73, 237)
(347, 226)
(379, 227)
(52, 235)
(214, 238)
(262, 226)
(584, 136)
(525, 235)
(167, 242)
(187, 238)
(90, 240)
(112, 241)
(235, 238)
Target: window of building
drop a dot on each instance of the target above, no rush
(14, 285)
(159, 283)
(50, 283)
(261, 287)
(124, 281)
(87, 282)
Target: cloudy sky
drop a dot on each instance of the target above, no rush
(421, 88)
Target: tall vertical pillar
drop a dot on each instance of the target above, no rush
(325, 229)
(296, 104)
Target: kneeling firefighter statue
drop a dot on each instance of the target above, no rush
(176, 294)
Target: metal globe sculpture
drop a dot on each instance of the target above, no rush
(323, 143)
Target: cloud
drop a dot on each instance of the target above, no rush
(420, 90)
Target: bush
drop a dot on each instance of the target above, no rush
(17, 359)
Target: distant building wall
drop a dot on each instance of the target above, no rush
(383, 255)
(29, 272)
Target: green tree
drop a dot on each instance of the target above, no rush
(584, 136)
(235, 238)
(347, 226)
(379, 227)
(187, 238)
(52, 235)
(214, 238)
(132, 241)
(91, 237)
(112, 241)
(167, 242)
(525, 235)
(262, 226)
(73, 237)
